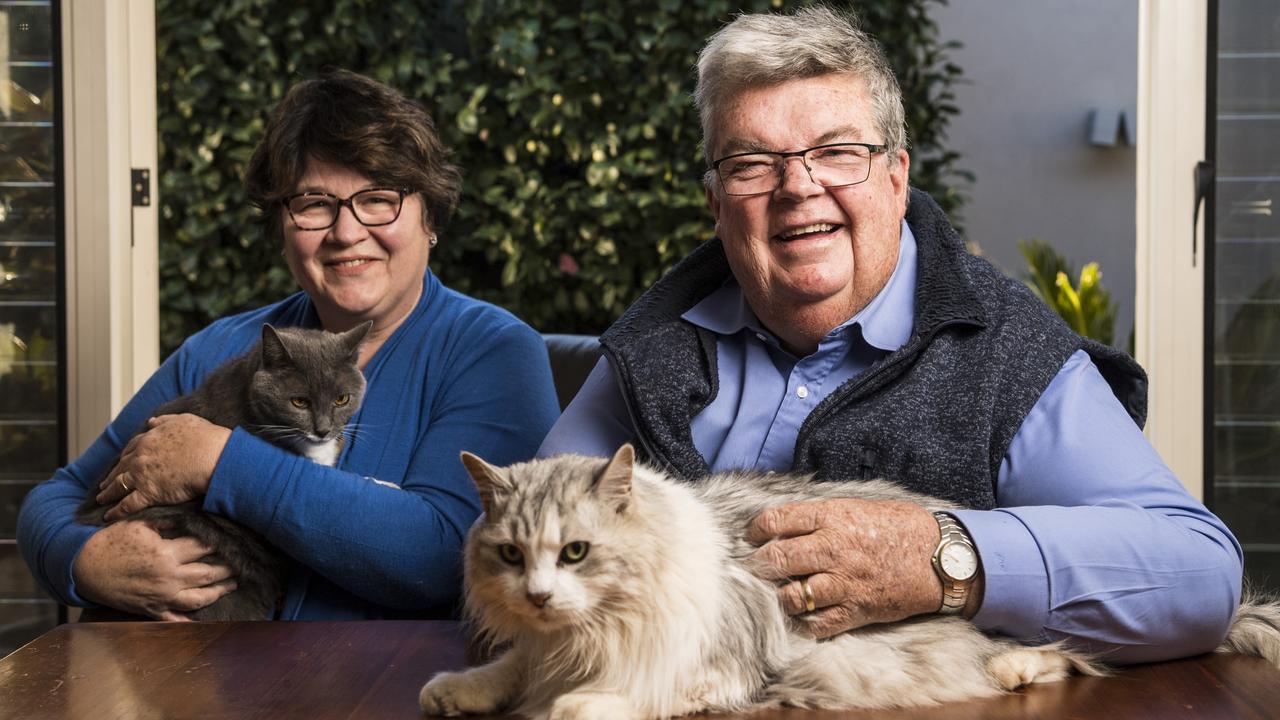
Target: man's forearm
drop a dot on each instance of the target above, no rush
(1136, 583)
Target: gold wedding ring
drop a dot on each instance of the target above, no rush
(120, 479)
(809, 605)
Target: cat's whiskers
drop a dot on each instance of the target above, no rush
(352, 432)
(259, 427)
(272, 430)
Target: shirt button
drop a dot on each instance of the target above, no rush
(802, 392)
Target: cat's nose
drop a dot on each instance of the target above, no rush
(539, 599)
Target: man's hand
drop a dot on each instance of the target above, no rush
(128, 566)
(865, 561)
(170, 463)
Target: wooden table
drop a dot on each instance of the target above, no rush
(373, 670)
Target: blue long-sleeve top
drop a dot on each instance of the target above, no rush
(1094, 538)
(380, 534)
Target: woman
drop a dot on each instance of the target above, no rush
(353, 180)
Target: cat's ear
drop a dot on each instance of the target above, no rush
(352, 338)
(274, 353)
(614, 484)
(489, 481)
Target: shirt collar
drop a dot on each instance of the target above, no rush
(723, 312)
(885, 322)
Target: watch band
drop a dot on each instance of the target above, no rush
(955, 591)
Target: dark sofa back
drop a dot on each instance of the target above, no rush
(572, 357)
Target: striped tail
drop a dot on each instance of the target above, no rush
(1255, 630)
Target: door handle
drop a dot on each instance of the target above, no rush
(1203, 178)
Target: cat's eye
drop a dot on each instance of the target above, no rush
(342, 399)
(300, 402)
(574, 552)
(510, 554)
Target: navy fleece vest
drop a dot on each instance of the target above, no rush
(936, 416)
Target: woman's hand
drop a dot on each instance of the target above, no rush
(864, 561)
(129, 566)
(170, 463)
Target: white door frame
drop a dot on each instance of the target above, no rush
(112, 266)
(1169, 309)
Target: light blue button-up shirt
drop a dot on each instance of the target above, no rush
(1094, 538)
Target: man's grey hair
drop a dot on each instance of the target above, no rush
(766, 49)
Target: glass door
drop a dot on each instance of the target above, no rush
(31, 385)
(1243, 277)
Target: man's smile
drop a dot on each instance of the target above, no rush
(810, 230)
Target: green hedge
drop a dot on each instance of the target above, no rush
(573, 125)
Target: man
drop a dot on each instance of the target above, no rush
(838, 327)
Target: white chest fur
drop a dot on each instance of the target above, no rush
(324, 453)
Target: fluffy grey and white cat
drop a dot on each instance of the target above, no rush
(297, 388)
(622, 593)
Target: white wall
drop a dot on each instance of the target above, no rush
(1033, 70)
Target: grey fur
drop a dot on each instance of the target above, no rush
(1255, 630)
(736, 642)
(255, 391)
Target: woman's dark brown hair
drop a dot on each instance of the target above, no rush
(350, 120)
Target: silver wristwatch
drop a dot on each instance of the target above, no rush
(956, 562)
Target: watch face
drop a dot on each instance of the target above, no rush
(958, 561)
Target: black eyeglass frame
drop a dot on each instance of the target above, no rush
(872, 148)
(347, 203)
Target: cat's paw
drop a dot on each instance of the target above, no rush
(591, 706)
(451, 694)
(1015, 668)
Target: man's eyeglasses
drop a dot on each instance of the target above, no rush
(371, 208)
(834, 165)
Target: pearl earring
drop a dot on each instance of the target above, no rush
(433, 242)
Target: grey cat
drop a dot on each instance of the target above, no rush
(624, 594)
(297, 388)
